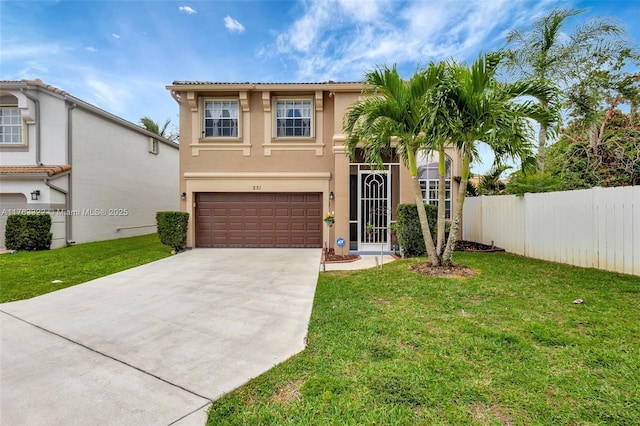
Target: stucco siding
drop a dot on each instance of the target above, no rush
(117, 183)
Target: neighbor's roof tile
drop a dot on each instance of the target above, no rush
(48, 170)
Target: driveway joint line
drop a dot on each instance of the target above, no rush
(188, 414)
(110, 357)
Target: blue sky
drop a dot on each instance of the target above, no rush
(120, 55)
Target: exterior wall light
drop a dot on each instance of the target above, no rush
(35, 194)
(183, 196)
(331, 195)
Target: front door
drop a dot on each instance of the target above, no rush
(374, 195)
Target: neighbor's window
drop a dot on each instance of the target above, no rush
(10, 121)
(293, 118)
(428, 178)
(221, 119)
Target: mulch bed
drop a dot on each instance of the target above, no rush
(454, 271)
(330, 256)
(471, 246)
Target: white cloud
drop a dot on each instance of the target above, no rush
(187, 10)
(338, 39)
(90, 49)
(109, 96)
(114, 35)
(233, 25)
(13, 50)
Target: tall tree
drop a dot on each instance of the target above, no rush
(547, 53)
(396, 110)
(484, 110)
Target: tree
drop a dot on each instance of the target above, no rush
(481, 109)
(546, 53)
(445, 104)
(397, 110)
(490, 183)
(154, 127)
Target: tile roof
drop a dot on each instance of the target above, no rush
(38, 83)
(48, 170)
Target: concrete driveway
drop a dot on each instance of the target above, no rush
(154, 345)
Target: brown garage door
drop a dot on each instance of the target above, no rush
(258, 219)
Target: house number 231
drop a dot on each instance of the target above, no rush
(257, 187)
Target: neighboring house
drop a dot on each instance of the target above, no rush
(99, 176)
(261, 164)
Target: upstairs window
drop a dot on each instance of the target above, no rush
(10, 121)
(293, 118)
(221, 119)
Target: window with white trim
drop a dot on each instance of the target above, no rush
(10, 121)
(293, 118)
(428, 178)
(220, 118)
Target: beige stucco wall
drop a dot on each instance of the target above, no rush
(257, 162)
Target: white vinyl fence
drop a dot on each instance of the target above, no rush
(594, 228)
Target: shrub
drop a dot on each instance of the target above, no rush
(409, 230)
(29, 231)
(172, 229)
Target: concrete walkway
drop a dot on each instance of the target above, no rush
(366, 261)
(154, 345)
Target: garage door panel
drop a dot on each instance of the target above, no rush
(259, 220)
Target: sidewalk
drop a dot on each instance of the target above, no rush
(366, 261)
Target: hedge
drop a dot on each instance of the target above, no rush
(409, 231)
(172, 229)
(28, 231)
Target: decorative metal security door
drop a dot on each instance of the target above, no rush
(374, 194)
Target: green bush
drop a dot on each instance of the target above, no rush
(172, 229)
(409, 230)
(29, 231)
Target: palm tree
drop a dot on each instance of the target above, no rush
(154, 127)
(490, 183)
(397, 111)
(481, 109)
(547, 53)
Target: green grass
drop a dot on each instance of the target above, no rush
(508, 346)
(28, 274)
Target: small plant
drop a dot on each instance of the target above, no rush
(329, 218)
(172, 229)
(28, 231)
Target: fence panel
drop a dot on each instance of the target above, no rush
(598, 227)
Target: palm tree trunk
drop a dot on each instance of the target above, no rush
(447, 256)
(542, 140)
(442, 168)
(424, 223)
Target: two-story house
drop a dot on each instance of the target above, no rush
(99, 176)
(261, 164)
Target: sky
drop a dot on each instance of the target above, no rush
(120, 55)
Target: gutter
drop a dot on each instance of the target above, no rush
(67, 196)
(36, 101)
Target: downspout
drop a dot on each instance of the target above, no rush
(69, 195)
(67, 215)
(36, 101)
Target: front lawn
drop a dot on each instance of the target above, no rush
(28, 274)
(507, 346)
